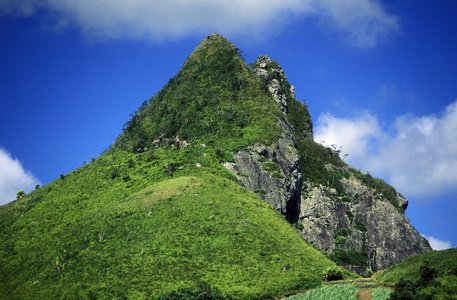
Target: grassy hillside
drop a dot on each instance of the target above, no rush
(157, 214)
(168, 236)
(431, 275)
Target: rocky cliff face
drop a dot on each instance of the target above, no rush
(361, 221)
(273, 173)
(357, 226)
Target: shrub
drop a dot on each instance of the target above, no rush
(349, 256)
(359, 225)
(350, 215)
(260, 192)
(277, 175)
(332, 273)
(299, 226)
(271, 166)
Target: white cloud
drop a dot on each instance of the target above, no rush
(13, 178)
(361, 22)
(437, 244)
(418, 155)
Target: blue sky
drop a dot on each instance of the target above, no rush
(380, 79)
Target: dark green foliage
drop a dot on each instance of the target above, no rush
(277, 175)
(407, 290)
(427, 273)
(343, 232)
(426, 242)
(202, 292)
(359, 225)
(298, 226)
(350, 215)
(214, 98)
(346, 199)
(260, 192)
(332, 273)
(432, 275)
(340, 235)
(349, 256)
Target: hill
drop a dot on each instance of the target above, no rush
(431, 275)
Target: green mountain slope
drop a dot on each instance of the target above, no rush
(433, 274)
(158, 212)
(167, 236)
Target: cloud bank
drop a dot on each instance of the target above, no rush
(13, 178)
(417, 155)
(361, 23)
(437, 244)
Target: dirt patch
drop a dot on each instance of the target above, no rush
(364, 295)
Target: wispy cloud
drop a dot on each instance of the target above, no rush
(418, 155)
(362, 23)
(437, 244)
(13, 178)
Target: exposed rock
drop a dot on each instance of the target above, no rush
(388, 236)
(274, 76)
(273, 173)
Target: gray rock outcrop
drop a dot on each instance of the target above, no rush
(377, 228)
(273, 173)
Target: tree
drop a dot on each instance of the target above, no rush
(20, 194)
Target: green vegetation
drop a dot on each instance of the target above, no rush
(349, 256)
(166, 237)
(334, 292)
(271, 166)
(431, 275)
(214, 99)
(359, 225)
(381, 293)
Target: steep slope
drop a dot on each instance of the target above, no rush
(158, 211)
(357, 220)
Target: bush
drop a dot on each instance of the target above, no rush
(359, 225)
(277, 175)
(332, 273)
(271, 166)
(299, 226)
(349, 256)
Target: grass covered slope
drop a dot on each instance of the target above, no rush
(168, 236)
(433, 275)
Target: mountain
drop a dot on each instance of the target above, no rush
(157, 214)
(214, 187)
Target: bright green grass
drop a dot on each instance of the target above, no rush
(381, 293)
(334, 292)
(168, 236)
